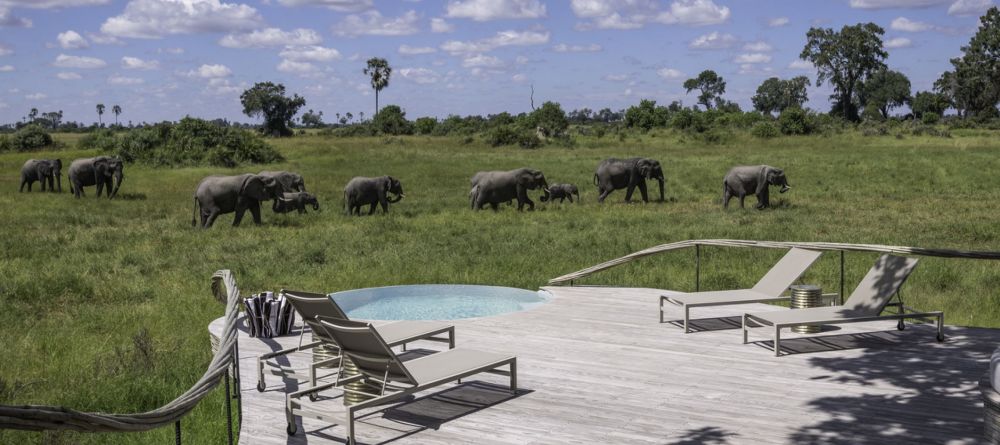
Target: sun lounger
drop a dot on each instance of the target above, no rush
(768, 289)
(312, 307)
(866, 303)
(378, 366)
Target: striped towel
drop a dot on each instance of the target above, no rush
(268, 316)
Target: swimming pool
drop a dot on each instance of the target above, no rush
(436, 301)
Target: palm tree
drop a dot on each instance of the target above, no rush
(117, 110)
(33, 114)
(100, 112)
(379, 71)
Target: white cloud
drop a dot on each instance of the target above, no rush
(35, 96)
(633, 14)
(438, 25)
(886, 4)
(751, 58)
(669, 73)
(616, 77)
(374, 24)
(311, 53)
(519, 78)
(485, 10)
(800, 64)
(421, 76)
(46, 4)
(8, 20)
(122, 80)
(211, 71)
(749, 68)
(564, 48)
(222, 87)
(271, 37)
(135, 63)
(969, 7)
(150, 19)
(291, 66)
(758, 47)
(64, 61)
(174, 51)
(6, 68)
(104, 39)
(5, 50)
(898, 42)
(502, 38)
(777, 22)
(713, 40)
(69, 76)
(482, 61)
(907, 25)
(416, 50)
(72, 40)
(336, 5)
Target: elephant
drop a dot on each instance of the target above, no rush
(752, 180)
(295, 201)
(226, 194)
(613, 174)
(561, 192)
(372, 191)
(42, 170)
(290, 181)
(494, 187)
(101, 171)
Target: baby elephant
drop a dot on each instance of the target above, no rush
(289, 202)
(371, 191)
(562, 191)
(752, 180)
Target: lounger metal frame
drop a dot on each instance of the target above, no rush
(389, 391)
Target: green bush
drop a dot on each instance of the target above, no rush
(550, 117)
(930, 118)
(795, 121)
(392, 120)
(188, 142)
(5, 144)
(30, 137)
(646, 115)
(425, 125)
(511, 135)
(765, 130)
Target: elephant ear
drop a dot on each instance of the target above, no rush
(254, 187)
(58, 163)
(387, 183)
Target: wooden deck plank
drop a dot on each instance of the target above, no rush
(594, 364)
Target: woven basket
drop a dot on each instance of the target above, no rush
(991, 405)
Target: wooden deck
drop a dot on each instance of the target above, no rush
(595, 366)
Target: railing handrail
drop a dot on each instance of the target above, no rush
(44, 417)
(901, 250)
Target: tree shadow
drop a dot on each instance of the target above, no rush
(709, 435)
(919, 392)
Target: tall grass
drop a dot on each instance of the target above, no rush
(106, 303)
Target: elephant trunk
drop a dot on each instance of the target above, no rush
(546, 194)
(578, 199)
(399, 197)
(315, 205)
(660, 180)
(119, 176)
(784, 186)
(59, 182)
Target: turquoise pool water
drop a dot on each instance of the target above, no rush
(436, 301)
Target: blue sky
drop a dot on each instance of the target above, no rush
(163, 59)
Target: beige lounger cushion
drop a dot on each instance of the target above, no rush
(409, 329)
(445, 364)
(722, 296)
(807, 315)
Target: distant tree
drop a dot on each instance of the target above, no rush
(550, 118)
(711, 86)
(580, 116)
(361, 115)
(928, 102)
(775, 95)
(33, 114)
(605, 115)
(392, 120)
(646, 115)
(973, 85)
(312, 119)
(350, 116)
(846, 59)
(100, 112)
(268, 99)
(379, 71)
(116, 110)
(425, 125)
(886, 89)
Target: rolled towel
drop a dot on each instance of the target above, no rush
(995, 370)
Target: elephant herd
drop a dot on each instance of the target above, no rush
(103, 171)
(217, 195)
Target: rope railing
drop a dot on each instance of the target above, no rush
(43, 417)
(902, 250)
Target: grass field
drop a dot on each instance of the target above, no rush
(105, 303)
